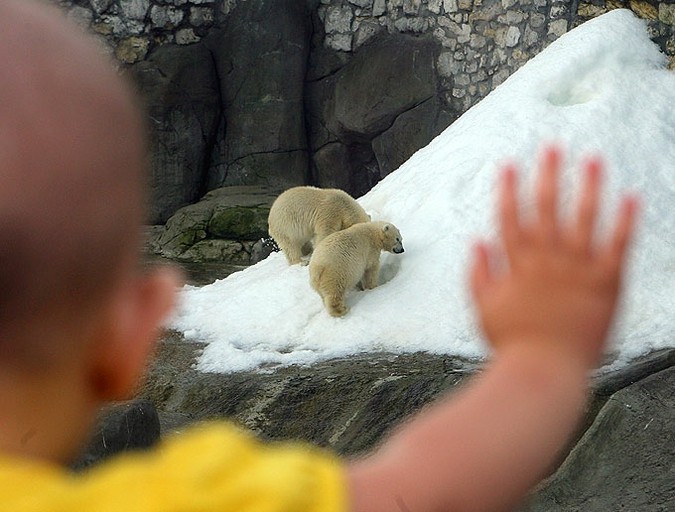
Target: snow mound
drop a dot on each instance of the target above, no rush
(600, 89)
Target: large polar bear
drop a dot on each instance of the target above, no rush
(301, 216)
(348, 257)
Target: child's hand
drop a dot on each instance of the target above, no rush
(560, 288)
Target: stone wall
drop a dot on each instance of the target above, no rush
(132, 28)
(337, 93)
(510, 30)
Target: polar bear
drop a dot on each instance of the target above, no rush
(345, 258)
(303, 216)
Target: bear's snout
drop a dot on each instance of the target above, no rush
(399, 250)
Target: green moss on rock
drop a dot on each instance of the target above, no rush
(239, 222)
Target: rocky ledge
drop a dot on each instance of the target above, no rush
(622, 458)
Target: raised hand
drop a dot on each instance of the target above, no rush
(560, 285)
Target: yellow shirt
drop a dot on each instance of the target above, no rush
(212, 468)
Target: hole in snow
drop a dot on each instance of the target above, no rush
(389, 267)
(590, 80)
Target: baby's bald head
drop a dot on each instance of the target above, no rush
(71, 172)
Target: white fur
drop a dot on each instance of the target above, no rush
(303, 216)
(349, 257)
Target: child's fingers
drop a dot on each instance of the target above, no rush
(508, 211)
(588, 206)
(623, 233)
(547, 193)
(480, 269)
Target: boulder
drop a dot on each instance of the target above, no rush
(180, 91)
(224, 226)
(240, 107)
(623, 459)
(370, 115)
(345, 404)
(409, 132)
(331, 166)
(387, 77)
(121, 427)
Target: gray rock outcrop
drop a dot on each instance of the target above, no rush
(261, 54)
(121, 427)
(623, 459)
(358, 132)
(180, 89)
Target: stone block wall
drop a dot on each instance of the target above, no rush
(483, 40)
(132, 28)
(660, 17)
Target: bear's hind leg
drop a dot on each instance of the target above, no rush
(291, 249)
(335, 304)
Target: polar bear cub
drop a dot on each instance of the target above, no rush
(349, 257)
(303, 216)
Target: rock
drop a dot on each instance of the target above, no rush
(183, 230)
(132, 49)
(321, 109)
(262, 248)
(181, 94)
(347, 404)
(410, 131)
(330, 93)
(358, 134)
(261, 54)
(239, 222)
(135, 9)
(230, 251)
(622, 461)
(399, 71)
(121, 427)
(625, 460)
(222, 227)
(667, 14)
(196, 273)
(331, 166)
(606, 385)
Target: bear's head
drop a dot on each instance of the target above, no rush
(392, 240)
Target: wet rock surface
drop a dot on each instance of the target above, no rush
(334, 401)
(346, 404)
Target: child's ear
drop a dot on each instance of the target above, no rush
(127, 341)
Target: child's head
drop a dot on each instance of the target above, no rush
(72, 158)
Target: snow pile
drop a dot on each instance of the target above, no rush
(602, 88)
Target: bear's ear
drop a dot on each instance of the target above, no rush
(386, 227)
